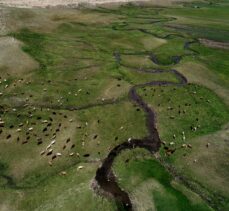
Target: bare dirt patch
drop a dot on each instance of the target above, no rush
(142, 195)
(214, 44)
(12, 59)
(3, 15)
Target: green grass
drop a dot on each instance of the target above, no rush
(71, 192)
(180, 108)
(216, 60)
(77, 67)
(174, 47)
(163, 194)
(177, 116)
(208, 21)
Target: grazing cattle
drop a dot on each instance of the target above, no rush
(42, 152)
(21, 125)
(63, 173)
(48, 147)
(8, 137)
(86, 155)
(30, 129)
(53, 142)
(163, 142)
(184, 145)
(170, 152)
(2, 123)
(80, 167)
(189, 146)
(39, 142)
(49, 152)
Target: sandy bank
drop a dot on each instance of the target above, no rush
(74, 3)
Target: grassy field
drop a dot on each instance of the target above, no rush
(65, 75)
(183, 114)
(153, 187)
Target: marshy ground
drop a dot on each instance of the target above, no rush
(65, 81)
